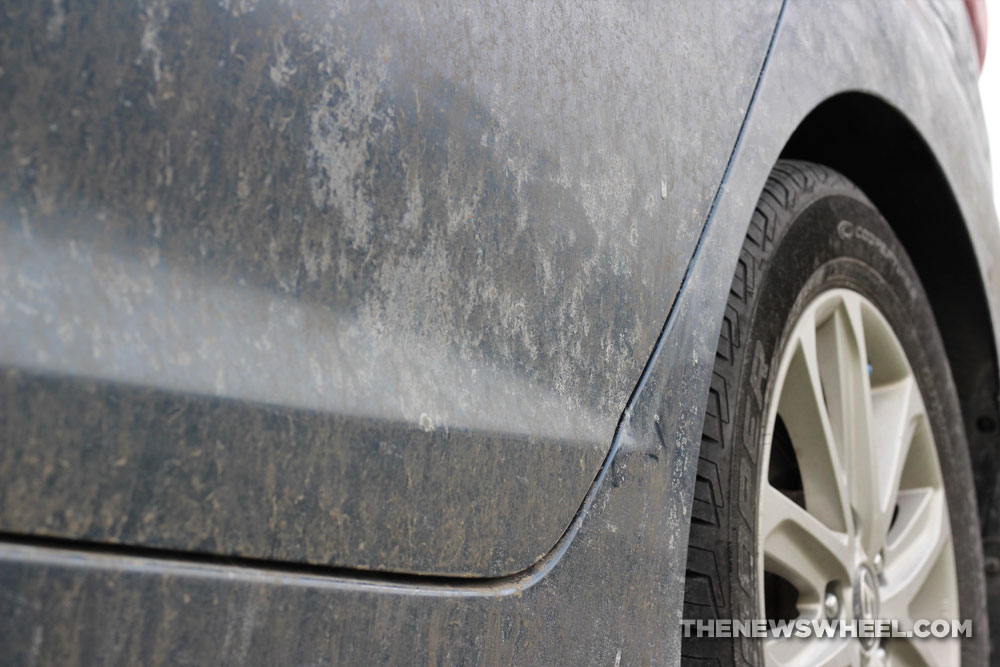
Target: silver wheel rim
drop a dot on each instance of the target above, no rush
(872, 512)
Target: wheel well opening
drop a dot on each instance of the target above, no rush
(876, 147)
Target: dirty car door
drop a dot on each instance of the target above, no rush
(364, 285)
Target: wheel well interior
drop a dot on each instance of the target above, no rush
(876, 147)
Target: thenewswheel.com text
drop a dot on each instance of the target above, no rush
(823, 628)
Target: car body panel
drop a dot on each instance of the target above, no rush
(362, 285)
(611, 593)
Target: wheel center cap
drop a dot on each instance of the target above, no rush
(866, 601)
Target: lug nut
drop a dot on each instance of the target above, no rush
(877, 563)
(831, 605)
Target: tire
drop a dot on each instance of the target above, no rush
(812, 232)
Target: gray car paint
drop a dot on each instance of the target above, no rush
(610, 592)
(363, 285)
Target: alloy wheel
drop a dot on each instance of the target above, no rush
(852, 515)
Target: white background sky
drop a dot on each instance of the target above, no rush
(989, 86)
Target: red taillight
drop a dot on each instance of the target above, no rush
(977, 12)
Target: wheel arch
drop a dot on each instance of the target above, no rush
(875, 146)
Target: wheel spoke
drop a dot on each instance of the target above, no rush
(803, 409)
(839, 361)
(896, 409)
(912, 551)
(926, 652)
(792, 652)
(800, 548)
(864, 453)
